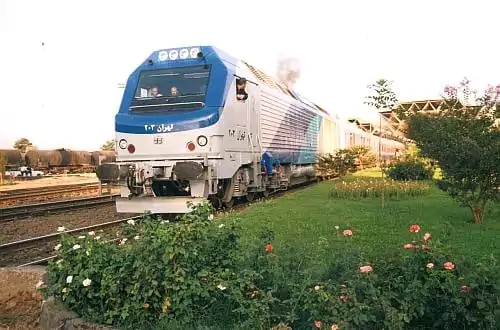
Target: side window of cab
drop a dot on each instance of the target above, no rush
(241, 93)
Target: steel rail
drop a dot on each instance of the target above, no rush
(40, 208)
(10, 248)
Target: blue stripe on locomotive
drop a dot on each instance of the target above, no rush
(223, 69)
(306, 153)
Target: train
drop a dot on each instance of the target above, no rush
(197, 124)
(57, 161)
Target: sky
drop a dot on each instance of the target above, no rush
(65, 93)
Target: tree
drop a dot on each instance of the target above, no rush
(108, 145)
(383, 99)
(22, 144)
(463, 138)
(337, 164)
(3, 163)
(364, 157)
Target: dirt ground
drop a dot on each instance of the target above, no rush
(54, 180)
(20, 303)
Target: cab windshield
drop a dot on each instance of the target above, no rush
(171, 89)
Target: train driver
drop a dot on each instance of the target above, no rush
(173, 91)
(241, 93)
(154, 92)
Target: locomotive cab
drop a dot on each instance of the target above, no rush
(168, 131)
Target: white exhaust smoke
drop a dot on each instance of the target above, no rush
(288, 71)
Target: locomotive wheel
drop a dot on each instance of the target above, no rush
(229, 204)
(216, 202)
(250, 197)
(265, 193)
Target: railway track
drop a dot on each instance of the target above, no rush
(39, 250)
(19, 211)
(44, 191)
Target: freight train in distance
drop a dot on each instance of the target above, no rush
(197, 124)
(57, 161)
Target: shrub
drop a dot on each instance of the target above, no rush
(372, 188)
(364, 158)
(337, 164)
(195, 274)
(423, 288)
(161, 272)
(410, 170)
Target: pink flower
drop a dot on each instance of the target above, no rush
(335, 327)
(317, 324)
(414, 228)
(430, 265)
(408, 246)
(269, 248)
(427, 236)
(425, 247)
(366, 269)
(449, 265)
(347, 232)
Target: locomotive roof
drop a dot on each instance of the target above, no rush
(190, 52)
(276, 84)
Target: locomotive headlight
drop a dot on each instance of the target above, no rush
(202, 140)
(123, 144)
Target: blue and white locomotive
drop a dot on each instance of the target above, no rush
(196, 123)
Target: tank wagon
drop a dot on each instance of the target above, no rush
(13, 157)
(196, 123)
(57, 161)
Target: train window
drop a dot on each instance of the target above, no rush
(172, 88)
(241, 93)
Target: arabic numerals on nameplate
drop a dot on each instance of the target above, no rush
(159, 128)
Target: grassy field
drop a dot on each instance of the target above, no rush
(306, 220)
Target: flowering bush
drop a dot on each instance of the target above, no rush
(195, 273)
(160, 271)
(423, 287)
(372, 188)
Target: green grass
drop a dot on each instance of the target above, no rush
(373, 172)
(306, 220)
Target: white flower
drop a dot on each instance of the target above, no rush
(57, 247)
(337, 227)
(62, 228)
(221, 225)
(69, 279)
(87, 252)
(64, 290)
(123, 241)
(211, 217)
(81, 237)
(91, 233)
(87, 282)
(39, 284)
(131, 222)
(136, 237)
(76, 246)
(59, 261)
(97, 238)
(164, 222)
(221, 287)
(316, 287)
